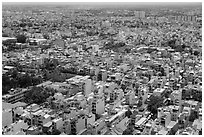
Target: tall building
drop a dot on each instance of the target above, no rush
(98, 105)
(80, 123)
(6, 117)
(83, 82)
(58, 124)
(140, 14)
(176, 96)
(189, 18)
(73, 126)
(174, 113)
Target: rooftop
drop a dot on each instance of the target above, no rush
(171, 124)
(8, 38)
(6, 106)
(162, 132)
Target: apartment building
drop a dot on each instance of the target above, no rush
(140, 14)
(98, 105)
(84, 83)
(15, 95)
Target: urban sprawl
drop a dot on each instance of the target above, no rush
(70, 70)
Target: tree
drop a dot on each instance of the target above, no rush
(21, 39)
(196, 53)
(14, 74)
(36, 80)
(22, 24)
(7, 84)
(140, 102)
(128, 131)
(46, 36)
(128, 113)
(200, 132)
(24, 81)
(166, 94)
(29, 24)
(38, 95)
(154, 103)
(56, 132)
(193, 116)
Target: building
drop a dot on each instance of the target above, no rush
(147, 130)
(84, 83)
(90, 119)
(73, 126)
(172, 128)
(141, 122)
(80, 123)
(7, 114)
(77, 124)
(58, 123)
(9, 69)
(143, 94)
(95, 48)
(165, 119)
(17, 128)
(47, 126)
(98, 125)
(34, 41)
(15, 95)
(197, 125)
(184, 117)
(189, 18)
(41, 118)
(123, 120)
(140, 14)
(98, 105)
(7, 41)
(159, 92)
(174, 113)
(176, 97)
(131, 97)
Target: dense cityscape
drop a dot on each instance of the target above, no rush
(85, 69)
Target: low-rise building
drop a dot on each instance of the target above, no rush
(15, 95)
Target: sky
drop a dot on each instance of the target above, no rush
(104, 3)
(111, 4)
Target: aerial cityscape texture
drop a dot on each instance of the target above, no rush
(102, 68)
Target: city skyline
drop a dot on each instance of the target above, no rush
(109, 3)
(102, 68)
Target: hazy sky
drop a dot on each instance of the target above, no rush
(112, 4)
(102, 3)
